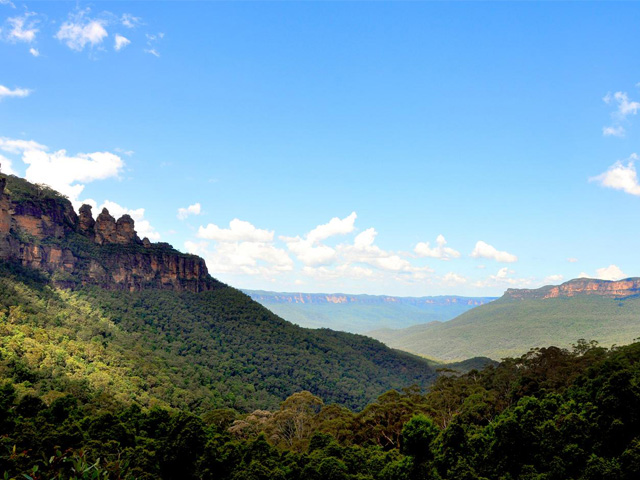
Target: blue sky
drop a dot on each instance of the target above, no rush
(386, 148)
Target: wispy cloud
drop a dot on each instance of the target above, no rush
(16, 92)
(617, 131)
(17, 146)
(130, 21)
(21, 28)
(504, 278)
(624, 108)
(152, 40)
(80, 30)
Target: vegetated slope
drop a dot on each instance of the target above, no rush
(550, 414)
(88, 302)
(463, 366)
(363, 313)
(513, 324)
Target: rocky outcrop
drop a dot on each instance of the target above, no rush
(105, 228)
(86, 223)
(40, 229)
(580, 286)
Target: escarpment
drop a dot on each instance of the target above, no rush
(40, 229)
(580, 286)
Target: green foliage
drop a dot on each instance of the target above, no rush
(508, 327)
(184, 350)
(550, 414)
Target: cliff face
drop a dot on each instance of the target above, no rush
(40, 229)
(580, 286)
(340, 298)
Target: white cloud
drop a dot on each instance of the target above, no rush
(336, 226)
(21, 29)
(452, 279)
(364, 251)
(152, 51)
(10, 145)
(194, 209)
(34, 51)
(423, 249)
(625, 107)
(621, 176)
(504, 278)
(612, 272)
(16, 92)
(142, 226)
(617, 131)
(61, 171)
(353, 272)
(7, 2)
(553, 279)
(310, 251)
(79, 31)
(130, 21)
(120, 42)
(484, 250)
(128, 153)
(243, 257)
(6, 167)
(572, 260)
(68, 174)
(238, 231)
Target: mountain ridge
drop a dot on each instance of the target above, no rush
(602, 310)
(339, 298)
(361, 313)
(580, 286)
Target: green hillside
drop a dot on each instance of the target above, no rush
(508, 327)
(550, 414)
(186, 350)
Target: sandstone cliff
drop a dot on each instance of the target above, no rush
(580, 286)
(40, 229)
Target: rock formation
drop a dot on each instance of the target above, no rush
(580, 286)
(40, 229)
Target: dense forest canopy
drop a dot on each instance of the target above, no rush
(550, 414)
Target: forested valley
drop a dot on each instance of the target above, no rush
(550, 414)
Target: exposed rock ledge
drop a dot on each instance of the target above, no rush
(40, 229)
(580, 286)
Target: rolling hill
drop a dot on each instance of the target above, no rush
(604, 311)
